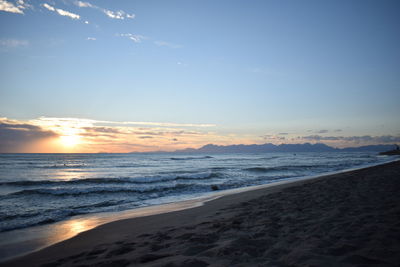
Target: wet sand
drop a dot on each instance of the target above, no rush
(346, 219)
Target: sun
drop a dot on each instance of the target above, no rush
(70, 140)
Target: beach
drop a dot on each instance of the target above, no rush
(345, 219)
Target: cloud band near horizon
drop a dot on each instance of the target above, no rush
(46, 134)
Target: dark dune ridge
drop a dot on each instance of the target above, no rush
(346, 219)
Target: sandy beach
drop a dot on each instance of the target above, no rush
(346, 219)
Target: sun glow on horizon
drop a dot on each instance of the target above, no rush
(70, 141)
(76, 135)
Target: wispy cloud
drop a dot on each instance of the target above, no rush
(46, 134)
(332, 140)
(91, 39)
(161, 124)
(88, 122)
(167, 44)
(61, 12)
(12, 43)
(137, 38)
(22, 4)
(113, 136)
(273, 138)
(120, 14)
(114, 15)
(49, 7)
(67, 14)
(364, 139)
(146, 137)
(83, 4)
(10, 7)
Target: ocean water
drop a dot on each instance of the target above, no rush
(37, 189)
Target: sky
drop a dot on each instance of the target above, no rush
(127, 75)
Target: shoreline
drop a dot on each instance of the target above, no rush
(44, 236)
(112, 234)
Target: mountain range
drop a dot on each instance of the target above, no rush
(268, 147)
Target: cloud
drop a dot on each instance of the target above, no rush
(114, 15)
(364, 139)
(88, 122)
(283, 133)
(137, 38)
(14, 135)
(167, 124)
(91, 39)
(23, 5)
(99, 131)
(266, 136)
(10, 7)
(120, 14)
(12, 43)
(146, 137)
(322, 131)
(110, 136)
(68, 14)
(102, 130)
(322, 138)
(167, 44)
(163, 132)
(49, 7)
(61, 12)
(83, 4)
(273, 138)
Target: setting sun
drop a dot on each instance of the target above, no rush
(70, 140)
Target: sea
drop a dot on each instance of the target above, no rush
(39, 189)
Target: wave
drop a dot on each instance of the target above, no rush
(121, 180)
(129, 166)
(268, 158)
(60, 166)
(280, 168)
(77, 192)
(191, 158)
(326, 166)
(107, 203)
(257, 169)
(36, 220)
(108, 183)
(50, 215)
(97, 190)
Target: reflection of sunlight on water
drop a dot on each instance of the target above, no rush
(78, 226)
(75, 173)
(21, 241)
(67, 229)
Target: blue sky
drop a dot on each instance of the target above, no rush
(251, 68)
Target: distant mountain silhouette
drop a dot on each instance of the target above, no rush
(264, 148)
(306, 147)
